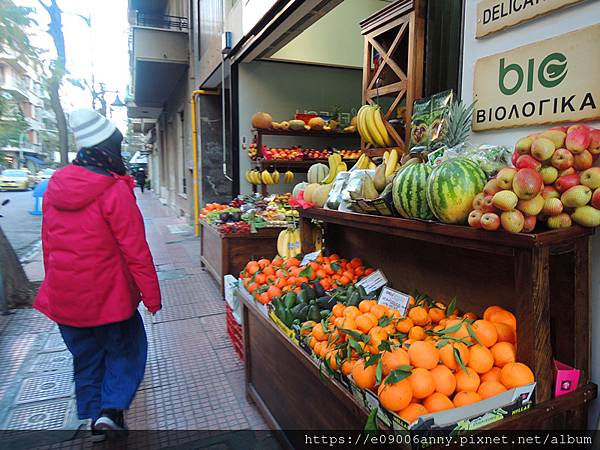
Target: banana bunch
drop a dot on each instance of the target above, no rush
(288, 177)
(288, 243)
(371, 127)
(336, 165)
(391, 162)
(364, 162)
(253, 177)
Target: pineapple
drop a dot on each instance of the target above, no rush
(458, 123)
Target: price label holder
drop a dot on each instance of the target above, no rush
(309, 257)
(373, 282)
(394, 299)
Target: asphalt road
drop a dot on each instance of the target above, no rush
(21, 228)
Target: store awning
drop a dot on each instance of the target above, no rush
(38, 161)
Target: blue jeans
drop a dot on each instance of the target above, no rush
(108, 364)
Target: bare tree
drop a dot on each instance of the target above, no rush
(58, 68)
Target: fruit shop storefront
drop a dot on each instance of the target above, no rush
(444, 278)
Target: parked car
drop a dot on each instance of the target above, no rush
(15, 179)
(45, 174)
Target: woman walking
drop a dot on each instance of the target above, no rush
(98, 268)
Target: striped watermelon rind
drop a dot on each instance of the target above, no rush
(409, 192)
(452, 187)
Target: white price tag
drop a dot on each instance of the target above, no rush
(373, 282)
(394, 300)
(310, 257)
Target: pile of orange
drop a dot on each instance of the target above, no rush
(265, 279)
(212, 207)
(420, 351)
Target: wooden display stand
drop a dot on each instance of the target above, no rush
(223, 254)
(397, 34)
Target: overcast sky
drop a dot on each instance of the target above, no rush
(101, 49)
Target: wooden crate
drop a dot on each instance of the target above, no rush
(223, 254)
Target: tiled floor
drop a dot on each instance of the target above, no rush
(193, 381)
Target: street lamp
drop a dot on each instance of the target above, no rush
(117, 103)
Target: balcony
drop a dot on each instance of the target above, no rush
(159, 57)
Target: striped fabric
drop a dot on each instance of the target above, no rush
(89, 127)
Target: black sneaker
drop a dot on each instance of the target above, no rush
(111, 420)
(97, 435)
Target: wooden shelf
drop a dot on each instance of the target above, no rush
(453, 235)
(296, 166)
(304, 133)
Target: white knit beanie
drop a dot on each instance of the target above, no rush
(89, 127)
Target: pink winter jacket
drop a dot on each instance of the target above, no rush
(97, 261)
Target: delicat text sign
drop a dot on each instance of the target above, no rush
(555, 80)
(495, 15)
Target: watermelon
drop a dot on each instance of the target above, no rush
(409, 192)
(452, 187)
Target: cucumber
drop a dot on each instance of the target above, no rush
(289, 300)
(310, 292)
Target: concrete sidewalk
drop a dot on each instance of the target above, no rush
(193, 381)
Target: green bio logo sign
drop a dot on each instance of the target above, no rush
(550, 72)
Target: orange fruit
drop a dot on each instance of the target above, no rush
(488, 389)
(379, 310)
(422, 383)
(366, 305)
(443, 379)
(352, 312)
(393, 313)
(317, 347)
(490, 310)
(480, 358)
(423, 354)
(503, 353)
(394, 359)
(319, 333)
(372, 317)
(449, 359)
(395, 397)
(312, 342)
(363, 323)
(515, 374)
(437, 402)
(364, 377)
(486, 332)
(417, 333)
(347, 366)
(505, 333)
(274, 291)
(339, 321)
(348, 324)
(407, 343)
(436, 314)
(338, 310)
(264, 298)
(419, 315)
(492, 375)
(404, 325)
(412, 412)
(462, 332)
(505, 317)
(466, 398)
(467, 381)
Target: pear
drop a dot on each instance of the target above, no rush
(576, 196)
(586, 216)
(368, 189)
(379, 179)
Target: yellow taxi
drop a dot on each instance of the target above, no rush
(15, 180)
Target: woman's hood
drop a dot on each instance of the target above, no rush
(72, 187)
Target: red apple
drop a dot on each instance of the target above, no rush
(512, 221)
(560, 128)
(528, 162)
(505, 200)
(515, 158)
(565, 172)
(488, 205)
(583, 160)
(527, 183)
(490, 222)
(562, 159)
(578, 139)
(523, 146)
(556, 136)
(566, 182)
(542, 149)
(478, 201)
(576, 126)
(590, 177)
(505, 178)
(550, 192)
(475, 219)
(491, 187)
(530, 223)
(531, 207)
(594, 147)
(596, 199)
